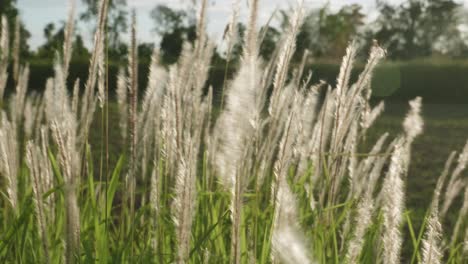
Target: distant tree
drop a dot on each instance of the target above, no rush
(10, 11)
(174, 27)
(417, 28)
(328, 34)
(80, 52)
(341, 28)
(116, 21)
(54, 43)
(167, 19)
(237, 48)
(145, 51)
(118, 52)
(269, 43)
(54, 40)
(270, 39)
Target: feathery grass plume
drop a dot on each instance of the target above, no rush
(432, 251)
(4, 55)
(307, 118)
(154, 198)
(184, 202)
(413, 126)
(363, 220)
(350, 105)
(64, 126)
(232, 32)
(170, 115)
(46, 168)
(353, 99)
(393, 205)
(251, 37)
(431, 245)
(346, 163)
(88, 102)
(288, 245)
(149, 121)
(350, 149)
(342, 88)
(69, 160)
(283, 61)
(122, 102)
(155, 91)
(285, 155)
(363, 170)
(9, 155)
(201, 27)
(28, 115)
(413, 123)
(286, 241)
(282, 94)
(300, 70)
(101, 83)
(133, 97)
(185, 111)
(455, 184)
(462, 216)
(68, 36)
(465, 243)
(363, 186)
(34, 161)
(75, 97)
(376, 55)
(32, 114)
(393, 186)
(321, 134)
(379, 163)
(345, 70)
(16, 49)
(237, 126)
(369, 116)
(19, 97)
(274, 125)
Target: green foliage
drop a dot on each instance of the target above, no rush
(327, 34)
(9, 9)
(416, 28)
(117, 19)
(174, 27)
(443, 83)
(106, 226)
(54, 41)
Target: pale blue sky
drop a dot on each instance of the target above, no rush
(37, 13)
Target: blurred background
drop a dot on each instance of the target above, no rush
(426, 43)
(408, 29)
(426, 40)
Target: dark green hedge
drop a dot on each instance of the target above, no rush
(436, 83)
(397, 82)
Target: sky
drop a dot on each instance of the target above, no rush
(38, 13)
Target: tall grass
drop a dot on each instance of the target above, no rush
(276, 175)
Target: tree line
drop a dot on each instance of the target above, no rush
(413, 29)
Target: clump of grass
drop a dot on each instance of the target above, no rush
(276, 177)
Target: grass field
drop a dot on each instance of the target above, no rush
(282, 171)
(445, 130)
